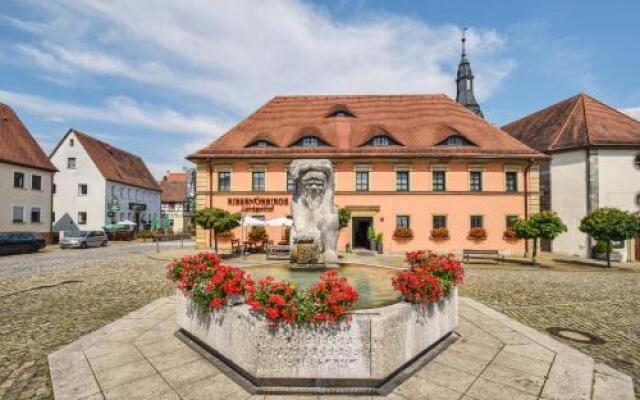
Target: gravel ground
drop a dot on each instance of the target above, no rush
(52, 301)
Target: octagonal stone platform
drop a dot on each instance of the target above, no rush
(367, 352)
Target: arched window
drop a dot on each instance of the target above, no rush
(455, 140)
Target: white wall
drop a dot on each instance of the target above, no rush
(67, 202)
(569, 200)
(619, 182)
(26, 197)
(131, 194)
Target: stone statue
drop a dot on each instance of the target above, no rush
(315, 218)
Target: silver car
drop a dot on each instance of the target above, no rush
(84, 239)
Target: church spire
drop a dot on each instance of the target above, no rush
(464, 81)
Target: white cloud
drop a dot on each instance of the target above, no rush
(117, 110)
(240, 53)
(633, 112)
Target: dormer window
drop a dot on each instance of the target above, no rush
(261, 143)
(310, 141)
(340, 111)
(381, 140)
(455, 140)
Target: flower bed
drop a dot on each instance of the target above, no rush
(211, 286)
(430, 277)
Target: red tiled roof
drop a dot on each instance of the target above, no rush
(577, 122)
(174, 188)
(417, 122)
(115, 164)
(17, 146)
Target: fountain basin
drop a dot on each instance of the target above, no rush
(376, 346)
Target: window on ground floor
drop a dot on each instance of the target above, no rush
(18, 214)
(82, 218)
(511, 220)
(439, 221)
(402, 221)
(36, 215)
(477, 221)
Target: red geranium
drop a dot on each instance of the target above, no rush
(429, 278)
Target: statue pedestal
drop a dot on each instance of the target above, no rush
(307, 255)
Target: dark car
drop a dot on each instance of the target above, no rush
(20, 242)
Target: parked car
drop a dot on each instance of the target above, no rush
(84, 239)
(20, 242)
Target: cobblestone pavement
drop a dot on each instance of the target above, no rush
(54, 302)
(51, 258)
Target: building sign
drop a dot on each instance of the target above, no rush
(137, 206)
(258, 204)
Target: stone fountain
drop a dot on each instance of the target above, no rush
(383, 344)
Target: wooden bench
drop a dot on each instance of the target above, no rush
(278, 251)
(468, 254)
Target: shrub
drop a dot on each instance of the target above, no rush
(403, 233)
(144, 235)
(440, 233)
(258, 234)
(226, 236)
(429, 278)
(477, 234)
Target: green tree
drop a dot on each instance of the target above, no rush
(344, 216)
(217, 220)
(609, 224)
(543, 225)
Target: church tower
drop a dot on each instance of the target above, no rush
(464, 80)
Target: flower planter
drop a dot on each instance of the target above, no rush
(365, 352)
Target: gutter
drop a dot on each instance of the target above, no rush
(526, 199)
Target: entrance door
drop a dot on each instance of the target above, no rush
(360, 226)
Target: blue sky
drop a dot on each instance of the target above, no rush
(162, 79)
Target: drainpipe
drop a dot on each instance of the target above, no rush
(526, 200)
(210, 196)
(51, 209)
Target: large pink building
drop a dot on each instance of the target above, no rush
(422, 162)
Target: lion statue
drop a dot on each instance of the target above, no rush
(315, 218)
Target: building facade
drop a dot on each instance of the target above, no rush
(594, 162)
(178, 200)
(98, 184)
(26, 176)
(420, 162)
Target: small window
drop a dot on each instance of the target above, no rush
(511, 220)
(402, 221)
(71, 142)
(257, 181)
(475, 181)
(439, 221)
(362, 181)
(53, 188)
(340, 111)
(71, 163)
(82, 218)
(259, 217)
(36, 182)
(18, 214)
(439, 181)
(477, 221)
(455, 140)
(53, 216)
(83, 189)
(309, 141)
(512, 181)
(18, 180)
(402, 181)
(36, 215)
(636, 162)
(291, 183)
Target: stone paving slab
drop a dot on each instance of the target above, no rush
(138, 357)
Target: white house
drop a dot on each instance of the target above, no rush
(25, 178)
(178, 200)
(98, 184)
(595, 163)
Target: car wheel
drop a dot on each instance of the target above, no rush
(104, 243)
(83, 245)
